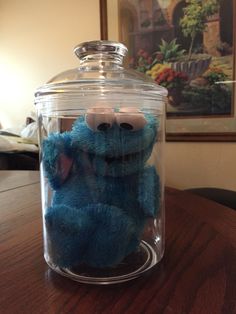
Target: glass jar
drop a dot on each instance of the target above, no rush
(101, 130)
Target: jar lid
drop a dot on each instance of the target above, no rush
(100, 65)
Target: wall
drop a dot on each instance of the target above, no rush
(37, 40)
(201, 164)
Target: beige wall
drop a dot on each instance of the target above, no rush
(36, 40)
(201, 164)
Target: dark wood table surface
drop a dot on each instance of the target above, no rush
(196, 275)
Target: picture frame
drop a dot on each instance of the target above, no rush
(181, 126)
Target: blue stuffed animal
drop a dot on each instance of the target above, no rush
(103, 191)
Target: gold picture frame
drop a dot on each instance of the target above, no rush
(179, 127)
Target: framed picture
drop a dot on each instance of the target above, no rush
(192, 55)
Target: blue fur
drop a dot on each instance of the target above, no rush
(99, 211)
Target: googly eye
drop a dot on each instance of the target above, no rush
(99, 121)
(130, 122)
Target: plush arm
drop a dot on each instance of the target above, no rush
(149, 191)
(57, 157)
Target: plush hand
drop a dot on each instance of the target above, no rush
(57, 158)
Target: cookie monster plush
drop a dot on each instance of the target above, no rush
(103, 191)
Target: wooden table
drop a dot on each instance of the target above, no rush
(196, 275)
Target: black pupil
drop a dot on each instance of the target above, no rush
(126, 126)
(103, 126)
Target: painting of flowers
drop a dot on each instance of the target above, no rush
(185, 46)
